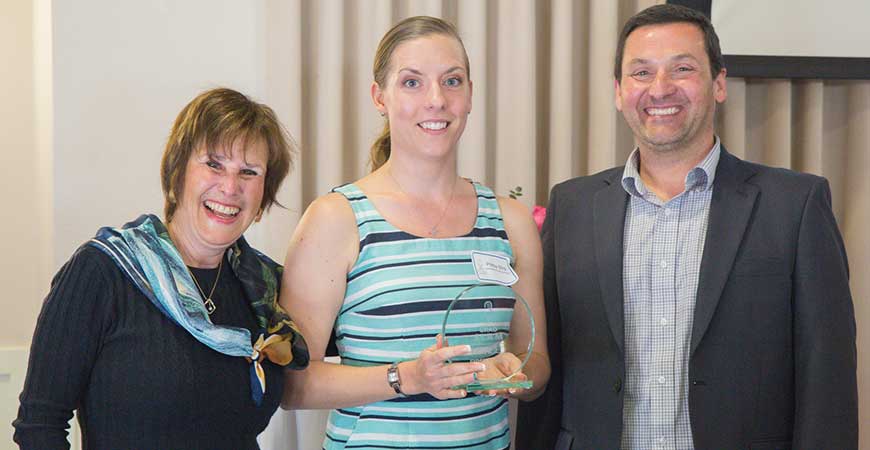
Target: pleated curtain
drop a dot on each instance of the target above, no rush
(542, 112)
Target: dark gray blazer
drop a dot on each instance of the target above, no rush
(773, 357)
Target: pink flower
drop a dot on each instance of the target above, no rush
(539, 213)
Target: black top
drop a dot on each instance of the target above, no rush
(137, 379)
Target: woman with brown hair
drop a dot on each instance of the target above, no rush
(170, 335)
(377, 262)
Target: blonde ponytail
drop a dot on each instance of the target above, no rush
(380, 152)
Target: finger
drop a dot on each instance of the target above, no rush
(439, 358)
(508, 368)
(505, 393)
(446, 353)
(519, 376)
(511, 392)
(494, 392)
(458, 380)
(504, 366)
(434, 346)
(490, 392)
(443, 340)
(451, 393)
(438, 344)
(440, 341)
(508, 362)
(464, 368)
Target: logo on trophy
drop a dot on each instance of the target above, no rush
(480, 317)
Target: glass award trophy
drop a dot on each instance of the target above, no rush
(480, 317)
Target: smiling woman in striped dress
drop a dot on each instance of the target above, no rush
(377, 262)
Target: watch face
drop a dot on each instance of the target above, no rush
(393, 374)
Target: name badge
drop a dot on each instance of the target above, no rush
(493, 268)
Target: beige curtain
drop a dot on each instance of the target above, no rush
(543, 110)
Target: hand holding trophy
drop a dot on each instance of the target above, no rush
(494, 301)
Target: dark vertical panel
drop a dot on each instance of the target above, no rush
(450, 11)
(543, 56)
(492, 88)
(351, 64)
(309, 160)
(705, 6)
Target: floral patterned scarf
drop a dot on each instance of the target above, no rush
(147, 256)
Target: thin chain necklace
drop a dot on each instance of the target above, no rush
(210, 307)
(434, 230)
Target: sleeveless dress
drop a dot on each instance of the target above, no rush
(396, 297)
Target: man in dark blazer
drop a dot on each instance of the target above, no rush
(694, 300)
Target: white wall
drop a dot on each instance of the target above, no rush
(18, 273)
(23, 265)
(122, 71)
(90, 89)
(833, 28)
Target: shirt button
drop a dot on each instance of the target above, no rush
(662, 440)
(668, 212)
(663, 321)
(662, 380)
(663, 264)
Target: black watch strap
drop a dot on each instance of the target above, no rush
(393, 378)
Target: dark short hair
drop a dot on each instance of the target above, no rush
(218, 118)
(664, 14)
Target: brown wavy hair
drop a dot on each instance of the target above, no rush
(404, 31)
(216, 119)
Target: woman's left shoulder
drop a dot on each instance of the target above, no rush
(522, 231)
(517, 216)
(513, 210)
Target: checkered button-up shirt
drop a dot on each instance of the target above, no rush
(663, 246)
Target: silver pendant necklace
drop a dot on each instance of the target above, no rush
(433, 231)
(210, 307)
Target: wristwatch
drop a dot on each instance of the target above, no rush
(393, 378)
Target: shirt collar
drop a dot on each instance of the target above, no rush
(700, 177)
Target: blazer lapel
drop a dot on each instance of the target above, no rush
(608, 227)
(730, 209)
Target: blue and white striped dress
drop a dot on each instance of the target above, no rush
(397, 293)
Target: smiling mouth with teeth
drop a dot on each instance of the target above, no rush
(221, 210)
(662, 111)
(434, 126)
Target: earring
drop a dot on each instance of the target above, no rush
(383, 114)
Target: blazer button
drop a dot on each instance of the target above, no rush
(617, 385)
